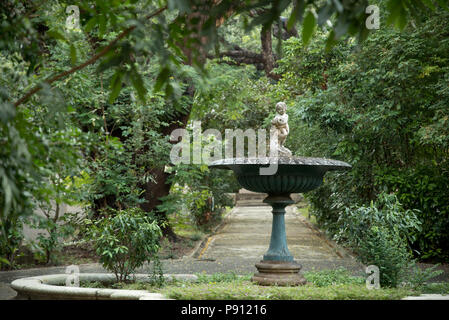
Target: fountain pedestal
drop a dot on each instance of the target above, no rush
(278, 266)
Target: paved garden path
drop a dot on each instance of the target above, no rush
(236, 246)
(245, 238)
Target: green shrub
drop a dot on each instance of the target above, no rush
(199, 191)
(384, 249)
(418, 278)
(388, 117)
(11, 237)
(424, 188)
(379, 234)
(387, 212)
(125, 240)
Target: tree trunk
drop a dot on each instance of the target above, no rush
(267, 53)
(155, 190)
(160, 187)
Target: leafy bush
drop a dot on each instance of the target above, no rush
(11, 237)
(379, 234)
(200, 191)
(387, 212)
(418, 278)
(125, 240)
(46, 243)
(388, 252)
(382, 106)
(424, 188)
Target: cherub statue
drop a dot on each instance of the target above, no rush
(280, 124)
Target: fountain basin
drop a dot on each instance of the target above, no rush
(293, 175)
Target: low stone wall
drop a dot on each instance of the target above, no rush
(52, 287)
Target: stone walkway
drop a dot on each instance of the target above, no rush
(245, 238)
(238, 244)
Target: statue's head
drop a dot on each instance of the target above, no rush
(281, 107)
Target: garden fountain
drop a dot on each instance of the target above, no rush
(292, 175)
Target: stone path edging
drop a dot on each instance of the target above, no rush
(196, 252)
(339, 250)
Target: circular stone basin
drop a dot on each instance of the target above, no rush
(52, 287)
(293, 175)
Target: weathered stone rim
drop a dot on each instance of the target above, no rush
(50, 287)
(328, 164)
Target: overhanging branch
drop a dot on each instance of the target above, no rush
(92, 60)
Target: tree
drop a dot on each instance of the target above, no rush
(178, 33)
(383, 109)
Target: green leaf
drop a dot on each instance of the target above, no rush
(90, 24)
(56, 35)
(331, 41)
(429, 4)
(73, 56)
(115, 85)
(443, 4)
(308, 27)
(161, 79)
(137, 82)
(398, 14)
(297, 14)
(102, 23)
(4, 261)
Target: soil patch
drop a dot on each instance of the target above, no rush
(183, 246)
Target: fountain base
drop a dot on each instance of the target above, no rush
(278, 273)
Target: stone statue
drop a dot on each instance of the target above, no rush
(279, 126)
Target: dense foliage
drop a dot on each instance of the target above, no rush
(86, 113)
(379, 234)
(384, 109)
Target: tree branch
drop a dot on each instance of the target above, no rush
(241, 56)
(267, 53)
(92, 60)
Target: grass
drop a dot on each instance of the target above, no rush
(304, 211)
(183, 226)
(245, 290)
(327, 278)
(322, 285)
